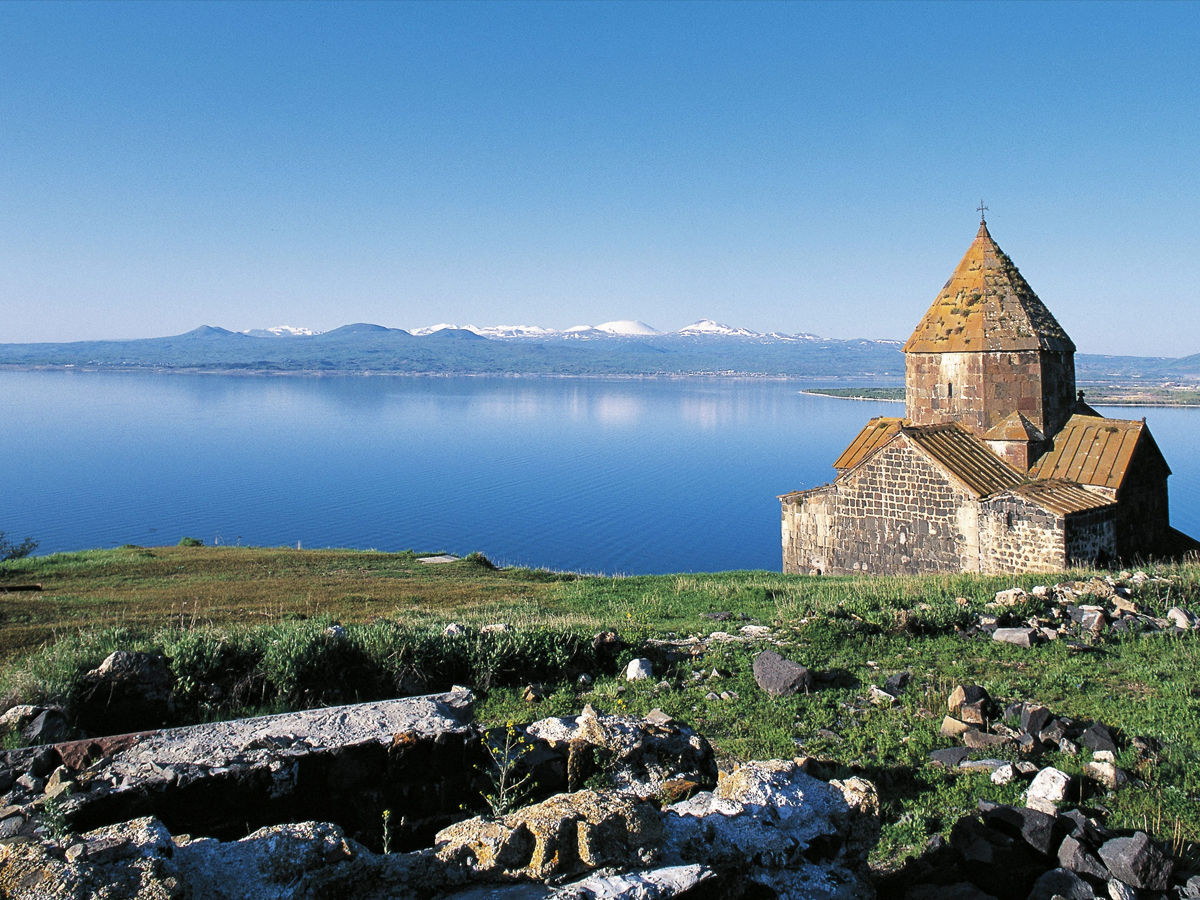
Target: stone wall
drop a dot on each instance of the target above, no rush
(981, 389)
(897, 513)
(1142, 515)
(1016, 535)
(1091, 537)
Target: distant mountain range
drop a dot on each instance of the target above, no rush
(612, 348)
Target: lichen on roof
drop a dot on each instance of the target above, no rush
(987, 305)
(1095, 450)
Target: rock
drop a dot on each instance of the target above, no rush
(1004, 774)
(1034, 719)
(1138, 862)
(48, 727)
(30, 783)
(584, 681)
(1181, 618)
(952, 727)
(15, 718)
(1073, 854)
(454, 630)
(44, 762)
(533, 693)
(1011, 597)
(496, 628)
(10, 826)
(897, 683)
(638, 756)
(963, 694)
(880, 697)
(960, 890)
(128, 691)
(639, 669)
(781, 828)
(1106, 773)
(981, 765)
(1021, 637)
(1038, 829)
(1061, 883)
(974, 713)
(653, 884)
(559, 837)
(982, 740)
(1118, 890)
(1098, 737)
(1048, 788)
(949, 757)
(780, 677)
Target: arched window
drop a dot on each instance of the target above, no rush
(950, 389)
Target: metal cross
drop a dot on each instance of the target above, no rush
(981, 210)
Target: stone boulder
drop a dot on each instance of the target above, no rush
(128, 691)
(780, 677)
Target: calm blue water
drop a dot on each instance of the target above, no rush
(596, 475)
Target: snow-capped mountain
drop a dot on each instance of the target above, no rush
(280, 331)
(708, 326)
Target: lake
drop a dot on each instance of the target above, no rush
(631, 476)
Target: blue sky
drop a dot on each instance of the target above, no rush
(792, 167)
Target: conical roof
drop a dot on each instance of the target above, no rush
(986, 305)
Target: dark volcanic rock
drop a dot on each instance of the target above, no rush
(1138, 862)
(47, 727)
(780, 677)
(1098, 737)
(949, 757)
(1061, 883)
(127, 692)
(1073, 854)
(1039, 830)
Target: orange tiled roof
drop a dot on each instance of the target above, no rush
(987, 305)
(1062, 497)
(1015, 427)
(965, 457)
(876, 433)
(1092, 450)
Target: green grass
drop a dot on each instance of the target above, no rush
(250, 630)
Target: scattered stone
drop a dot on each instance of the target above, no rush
(880, 697)
(496, 628)
(1181, 618)
(965, 694)
(952, 727)
(454, 630)
(897, 683)
(1098, 737)
(48, 727)
(1011, 597)
(1035, 718)
(1004, 774)
(949, 757)
(1038, 829)
(982, 740)
(780, 677)
(1021, 637)
(533, 693)
(1048, 788)
(1118, 890)
(1070, 748)
(639, 669)
(1025, 767)
(722, 616)
(584, 681)
(981, 765)
(1138, 862)
(1061, 884)
(1073, 854)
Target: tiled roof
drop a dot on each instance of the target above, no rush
(1014, 428)
(1062, 497)
(987, 305)
(965, 457)
(876, 433)
(1093, 450)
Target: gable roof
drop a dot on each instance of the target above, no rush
(1061, 497)
(1014, 427)
(964, 457)
(1095, 450)
(985, 306)
(875, 434)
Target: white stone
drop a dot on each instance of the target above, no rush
(1119, 890)
(1048, 789)
(453, 630)
(1004, 774)
(1179, 617)
(639, 669)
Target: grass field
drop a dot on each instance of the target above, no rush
(249, 630)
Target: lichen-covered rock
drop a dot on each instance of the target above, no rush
(639, 756)
(128, 691)
(779, 827)
(559, 837)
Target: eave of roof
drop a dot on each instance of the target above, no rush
(875, 434)
(1061, 497)
(1092, 450)
(987, 305)
(1015, 427)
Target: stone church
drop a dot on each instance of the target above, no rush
(999, 465)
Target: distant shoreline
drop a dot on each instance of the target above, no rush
(1097, 399)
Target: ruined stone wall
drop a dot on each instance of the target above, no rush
(981, 389)
(897, 513)
(809, 530)
(1142, 514)
(1018, 536)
